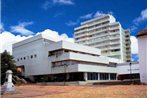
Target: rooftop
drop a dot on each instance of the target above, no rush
(142, 33)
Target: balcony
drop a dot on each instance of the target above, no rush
(95, 20)
(83, 68)
(80, 27)
(116, 42)
(113, 38)
(81, 31)
(78, 57)
(116, 47)
(114, 33)
(98, 27)
(98, 36)
(99, 31)
(82, 36)
(102, 44)
(114, 28)
(115, 53)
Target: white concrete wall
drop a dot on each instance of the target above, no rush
(64, 69)
(94, 68)
(142, 42)
(84, 68)
(124, 68)
(112, 19)
(34, 66)
(80, 57)
(74, 47)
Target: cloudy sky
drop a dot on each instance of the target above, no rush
(21, 19)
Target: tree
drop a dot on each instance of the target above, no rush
(7, 63)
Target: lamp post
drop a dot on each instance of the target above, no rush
(130, 71)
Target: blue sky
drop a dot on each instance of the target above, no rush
(27, 17)
(64, 15)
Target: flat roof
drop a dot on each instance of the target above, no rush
(96, 18)
(142, 33)
(74, 47)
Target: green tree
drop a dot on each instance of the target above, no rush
(7, 63)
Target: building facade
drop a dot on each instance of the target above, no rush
(60, 61)
(142, 42)
(106, 34)
(128, 70)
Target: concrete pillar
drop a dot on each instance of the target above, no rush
(109, 76)
(85, 76)
(98, 76)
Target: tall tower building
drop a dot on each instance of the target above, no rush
(106, 34)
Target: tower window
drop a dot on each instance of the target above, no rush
(31, 56)
(35, 55)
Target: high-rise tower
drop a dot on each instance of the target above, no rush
(106, 34)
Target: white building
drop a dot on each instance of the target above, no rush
(107, 34)
(128, 70)
(39, 56)
(142, 42)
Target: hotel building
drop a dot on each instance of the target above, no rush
(107, 34)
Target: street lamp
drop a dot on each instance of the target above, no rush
(130, 71)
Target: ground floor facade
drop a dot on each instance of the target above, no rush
(76, 76)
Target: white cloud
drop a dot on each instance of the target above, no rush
(87, 16)
(136, 22)
(134, 45)
(7, 38)
(100, 13)
(65, 2)
(58, 14)
(1, 27)
(142, 17)
(46, 5)
(133, 28)
(96, 14)
(72, 23)
(21, 28)
(53, 35)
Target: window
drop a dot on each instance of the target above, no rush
(35, 55)
(17, 59)
(28, 57)
(104, 76)
(31, 56)
(21, 58)
(92, 76)
(112, 76)
(115, 50)
(24, 58)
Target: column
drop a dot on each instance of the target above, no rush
(98, 76)
(109, 76)
(85, 76)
